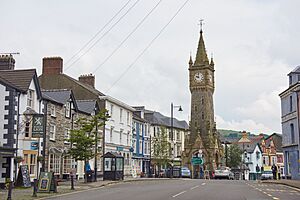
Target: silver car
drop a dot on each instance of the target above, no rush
(265, 175)
(224, 173)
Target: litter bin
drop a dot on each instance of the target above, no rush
(90, 175)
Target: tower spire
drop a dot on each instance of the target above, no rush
(191, 60)
(201, 56)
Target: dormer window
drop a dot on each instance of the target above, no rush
(68, 109)
(290, 79)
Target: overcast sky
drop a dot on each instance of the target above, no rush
(255, 44)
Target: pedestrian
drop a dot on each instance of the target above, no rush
(274, 171)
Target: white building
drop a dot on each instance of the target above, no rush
(118, 129)
(20, 98)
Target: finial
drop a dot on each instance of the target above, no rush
(201, 24)
(191, 60)
(212, 60)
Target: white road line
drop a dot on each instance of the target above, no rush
(203, 183)
(275, 198)
(179, 194)
(194, 187)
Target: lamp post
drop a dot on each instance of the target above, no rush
(172, 135)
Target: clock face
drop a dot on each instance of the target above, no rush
(198, 77)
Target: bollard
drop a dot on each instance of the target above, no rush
(9, 190)
(72, 182)
(34, 188)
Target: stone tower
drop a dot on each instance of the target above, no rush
(203, 133)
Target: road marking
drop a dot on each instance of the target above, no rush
(194, 187)
(179, 194)
(275, 198)
(269, 195)
(203, 183)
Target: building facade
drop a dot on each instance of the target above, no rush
(290, 125)
(20, 99)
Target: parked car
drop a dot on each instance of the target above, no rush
(223, 172)
(185, 172)
(265, 175)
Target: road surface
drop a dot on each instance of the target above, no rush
(186, 189)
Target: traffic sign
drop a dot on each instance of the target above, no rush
(197, 161)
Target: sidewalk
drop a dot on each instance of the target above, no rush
(65, 187)
(292, 183)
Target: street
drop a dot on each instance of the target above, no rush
(186, 189)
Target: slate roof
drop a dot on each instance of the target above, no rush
(277, 139)
(86, 106)
(60, 96)
(159, 119)
(19, 79)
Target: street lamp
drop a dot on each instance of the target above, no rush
(172, 135)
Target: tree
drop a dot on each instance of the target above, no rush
(234, 156)
(83, 138)
(161, 148)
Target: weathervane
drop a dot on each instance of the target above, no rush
(201, 24)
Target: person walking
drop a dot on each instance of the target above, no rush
(274, 171)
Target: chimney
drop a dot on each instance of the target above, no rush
(52, 65)
(7, 62)
(87, 79)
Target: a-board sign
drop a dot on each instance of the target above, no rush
(46, 182)
(23, 176)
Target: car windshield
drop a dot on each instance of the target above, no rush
(184, 168)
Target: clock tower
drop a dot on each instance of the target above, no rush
(203, 134)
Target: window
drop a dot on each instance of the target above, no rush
(202, 100)
(134, 145)
(67, 135)
(128, 121)
(292, 134)
(30, 160)
(121, 113)
(52, 132)
(290, 80)
(54, 163)
(178, 150)
(121, 133)
(111, 134)
(291, 103)
(30, 98)
(111, 110)
(69, 164)
(196, 108)
(127, 139)
(202, 115)
(52, 110)
(27, 129)
(146, 148)
(298, 77)
(154, 131)
(68, 109)
(141, 147)
(178, 135)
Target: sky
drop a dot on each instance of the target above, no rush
(255, 44)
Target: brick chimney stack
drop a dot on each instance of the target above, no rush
(52, 65)
(7, 62)
(88, 79)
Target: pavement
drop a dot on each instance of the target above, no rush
(291, 183)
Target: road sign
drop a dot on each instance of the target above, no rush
(197, 161)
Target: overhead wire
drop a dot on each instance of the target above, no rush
(147, 47)
(98, 32)
(104, 34)
(127, 37)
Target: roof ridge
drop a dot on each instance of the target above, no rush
(55, 90)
